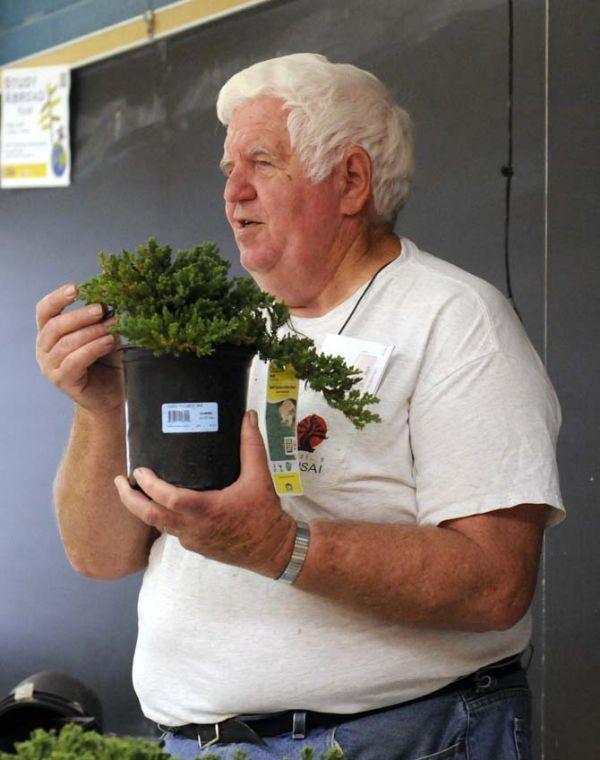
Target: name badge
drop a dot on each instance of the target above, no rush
(368, 356)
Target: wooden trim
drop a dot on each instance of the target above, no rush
(133, 33)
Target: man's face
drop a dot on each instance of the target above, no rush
(284, 225)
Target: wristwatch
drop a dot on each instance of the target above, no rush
(299, 552)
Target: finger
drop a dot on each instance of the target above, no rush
(74, 366)
(53, 303)
(62, 325)
(181, 500)
(115, 358)
(253, 457)
(146, 509)
(75, 340)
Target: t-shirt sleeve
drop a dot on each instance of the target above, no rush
(483, 438)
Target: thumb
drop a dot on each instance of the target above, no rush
(253, 457)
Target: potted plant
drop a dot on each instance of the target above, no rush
(190, 333)
(73, 743)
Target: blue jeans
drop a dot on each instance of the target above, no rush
(489, 722)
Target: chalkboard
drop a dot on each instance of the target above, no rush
(146, 145)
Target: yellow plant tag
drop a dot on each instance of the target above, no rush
(280, 420)
(282, 384)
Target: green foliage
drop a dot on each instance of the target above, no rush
(308, 754)
(72, 743)
(186, 303)
(171, 304)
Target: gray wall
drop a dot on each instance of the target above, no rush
(146, 145)
(572, 621)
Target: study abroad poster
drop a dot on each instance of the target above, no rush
(34, 133)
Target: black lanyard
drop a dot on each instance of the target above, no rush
(362, 295)
(356, 305)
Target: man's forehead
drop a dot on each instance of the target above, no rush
(262, 121)
(263, 108)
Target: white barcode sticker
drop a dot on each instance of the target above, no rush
(201, 417)
(290, 445)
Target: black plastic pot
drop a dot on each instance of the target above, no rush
(184, 415)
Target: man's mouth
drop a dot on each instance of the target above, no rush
(247, 223)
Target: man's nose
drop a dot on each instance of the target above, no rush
(238, 187)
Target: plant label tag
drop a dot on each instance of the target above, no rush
(198, 417)
(369, 356)
(280, 421)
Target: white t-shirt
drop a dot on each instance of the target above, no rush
(470, 422)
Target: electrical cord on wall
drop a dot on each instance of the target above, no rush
(508, 170)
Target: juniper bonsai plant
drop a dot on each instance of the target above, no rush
(173, 305)
(72, 743)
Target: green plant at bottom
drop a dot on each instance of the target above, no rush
(73, 743)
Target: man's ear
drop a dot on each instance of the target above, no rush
(355, 180)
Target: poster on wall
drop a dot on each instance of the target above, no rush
(34, 132)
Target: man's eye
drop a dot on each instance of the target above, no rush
(264, 163)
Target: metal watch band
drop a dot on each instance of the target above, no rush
(299, 552)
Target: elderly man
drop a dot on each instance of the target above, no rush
(385, 610)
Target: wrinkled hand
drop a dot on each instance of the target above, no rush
(241, 525)
(76, 352)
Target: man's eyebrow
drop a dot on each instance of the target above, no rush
(225, 164)
(259, 150)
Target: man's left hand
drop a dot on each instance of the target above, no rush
(241, 525)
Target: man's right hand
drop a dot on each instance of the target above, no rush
(69, 346)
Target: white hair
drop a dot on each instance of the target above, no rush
(332, 107)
